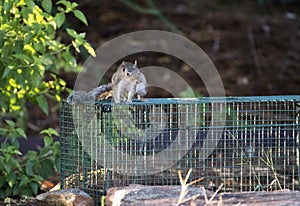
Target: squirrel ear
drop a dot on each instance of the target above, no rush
(135, 63)
(123, 65)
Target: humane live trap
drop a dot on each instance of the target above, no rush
(246, 143)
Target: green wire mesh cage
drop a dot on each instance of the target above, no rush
(244, 143)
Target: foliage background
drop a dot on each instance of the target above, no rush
(31, 57)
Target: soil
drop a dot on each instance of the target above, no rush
(255, 48)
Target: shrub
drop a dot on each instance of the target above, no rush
(29, 51)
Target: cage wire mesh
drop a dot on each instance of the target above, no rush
(246, 143)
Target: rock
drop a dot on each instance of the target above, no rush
(66, 197)
(138, 195)
(147, 195)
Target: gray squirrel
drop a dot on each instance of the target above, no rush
(126, 82)
(94, 94)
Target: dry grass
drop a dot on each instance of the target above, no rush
(184, 191)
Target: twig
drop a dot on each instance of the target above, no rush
(270, 164)
(254, 54)
(246, 159)
(171, 26)
(220, 201)
(184, 186)
(152, 10)
(139, 9)
(212, 197)
(190, 198)
(204, 193)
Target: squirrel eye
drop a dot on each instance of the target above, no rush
(128, 74)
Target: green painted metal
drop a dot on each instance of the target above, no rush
(255, 143)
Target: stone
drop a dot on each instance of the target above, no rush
(145, 195)
(138, 195)
(66, 197)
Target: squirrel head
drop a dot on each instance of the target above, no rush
(126, 64)
(128, 68)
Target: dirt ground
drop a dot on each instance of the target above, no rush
(255, 48)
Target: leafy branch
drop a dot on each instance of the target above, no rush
(31, 51)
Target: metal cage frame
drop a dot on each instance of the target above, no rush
(244, 143)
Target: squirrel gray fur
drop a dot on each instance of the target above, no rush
(128, 81)
(84, 96)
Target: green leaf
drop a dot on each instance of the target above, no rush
(3, 132)
(24, 180)
(19, 46)
(27, 192)
(11, 179)
(79, 15)
(48, 141)
(46, 60)
(16, 189)
(8, 191)
(47, 5)
(90, 49)
(47, 168)
(76, 46)
(6, 72)
(2, 40)
(29, 168)
(10, 123)
(30, 4)
(2, 193)
(60, 19)
(7, 5)
(72, 33)
(50, 29)
(23, 58)
(21, 132)
(49, 132)
(69, 59)
(56, 149)
(2, 181)
(34, 187)
(42, 102)
(7, 50)
(7, 167)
